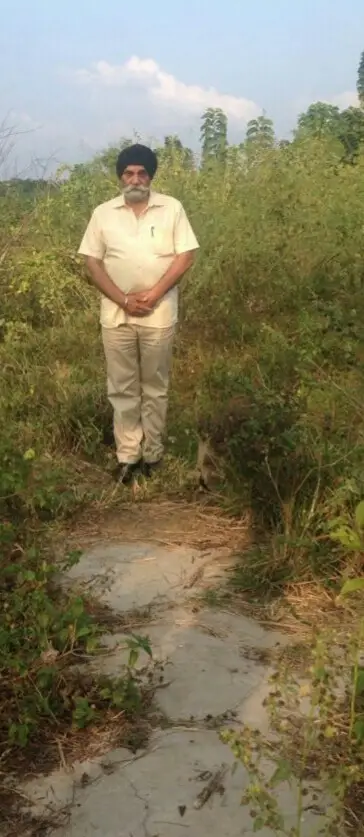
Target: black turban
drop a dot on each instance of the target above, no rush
(137, 155)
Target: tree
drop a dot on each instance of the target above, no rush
(108, 157)
(351, 132)
(207, 133)
(221, 126)
(320, 120)
(236, 157)
(173, 142)
(24, 187)
(174, 147)
(325, 121)
(214, 135)
(360, 82)
(260, 131)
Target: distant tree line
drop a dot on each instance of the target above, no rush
(321, 120)
(23, 187)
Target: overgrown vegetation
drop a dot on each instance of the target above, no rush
(47, 635)
(268, 368)
(316, 716)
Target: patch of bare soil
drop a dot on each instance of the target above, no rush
(195, 525)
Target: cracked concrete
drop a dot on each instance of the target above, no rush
(128, 576)
(159, 793)
(216, 668)
(205, 662)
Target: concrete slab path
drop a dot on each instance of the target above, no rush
(216, 673)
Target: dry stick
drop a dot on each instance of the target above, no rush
(213, 786)
(62, 756)
(11, 789)
(166, 822)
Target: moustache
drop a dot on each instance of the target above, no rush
(143, 190)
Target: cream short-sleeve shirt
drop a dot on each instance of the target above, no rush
(137, 251)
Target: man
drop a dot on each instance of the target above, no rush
(137, 248)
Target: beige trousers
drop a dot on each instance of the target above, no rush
(138, 360)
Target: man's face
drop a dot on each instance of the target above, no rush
(135, 182)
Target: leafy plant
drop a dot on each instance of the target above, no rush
(268, 363)
(322, 742)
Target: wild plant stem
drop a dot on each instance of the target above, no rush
(355, 681)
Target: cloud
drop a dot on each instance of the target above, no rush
(345, 100)
(165, 89)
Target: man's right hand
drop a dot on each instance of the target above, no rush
(135, 306)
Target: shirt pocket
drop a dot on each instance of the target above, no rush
(161, 239)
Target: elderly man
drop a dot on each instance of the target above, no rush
(137, 248)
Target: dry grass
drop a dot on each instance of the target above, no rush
(23, 824)
(329, 756)
(303, 609)
(201, 524)
(198, 525)
(61, 749)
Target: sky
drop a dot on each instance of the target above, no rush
(78, 75)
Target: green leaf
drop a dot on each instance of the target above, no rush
(77, 608)
(282, 773)
(359, 731)
(133, 657)
(29, 575)
(347, 538)
(45, 677)
(91, 644)
(359, 515)
(43, 620)
(62, 636)
(84, 631)
(73, 558)
(144, 643)
(353, 585)
(83, 714)
(359, 683)
(118, 699)
(258, 824)
(105, 694)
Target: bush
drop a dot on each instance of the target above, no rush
(268, 366)
(317, 723)
(43, 631)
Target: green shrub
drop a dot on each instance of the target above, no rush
(269, 359)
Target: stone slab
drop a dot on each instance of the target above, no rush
(155, 794)
(214, 664)
(127, 576)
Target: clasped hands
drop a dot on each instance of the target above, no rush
(141, 303)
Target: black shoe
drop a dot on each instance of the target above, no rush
(149, 468)
(203, 484)
(124, 473)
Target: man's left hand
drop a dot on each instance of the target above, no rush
(149, 298)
